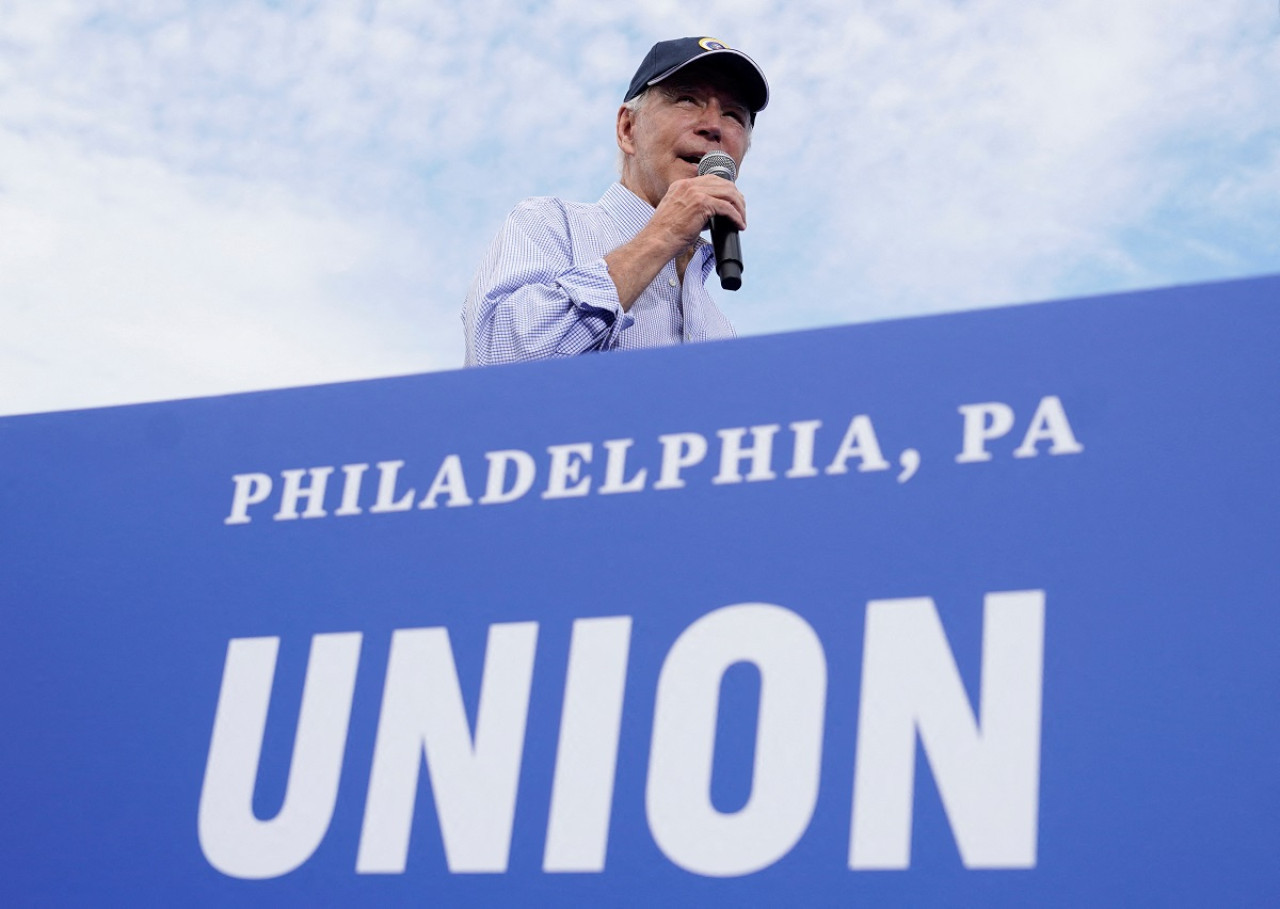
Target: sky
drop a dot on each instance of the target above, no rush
(200, 198)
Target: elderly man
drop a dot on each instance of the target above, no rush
(629, 271)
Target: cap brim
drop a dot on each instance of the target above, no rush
(754, 83)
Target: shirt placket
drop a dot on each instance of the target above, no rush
(672, 292)
(694, 327)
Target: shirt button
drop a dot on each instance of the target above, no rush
(672, 281)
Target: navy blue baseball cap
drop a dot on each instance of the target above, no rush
(666, 58)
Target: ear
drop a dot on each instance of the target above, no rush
(626, 130)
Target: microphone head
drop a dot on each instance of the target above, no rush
(720, 164)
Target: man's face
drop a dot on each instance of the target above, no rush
(692, 113)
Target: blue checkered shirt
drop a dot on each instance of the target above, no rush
(543, 289)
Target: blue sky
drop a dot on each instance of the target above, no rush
(207, 197)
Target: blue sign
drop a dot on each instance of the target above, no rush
(975, 609)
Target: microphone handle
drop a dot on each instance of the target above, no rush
(728, 250)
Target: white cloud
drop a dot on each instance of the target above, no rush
(986, 152)
(123, 281)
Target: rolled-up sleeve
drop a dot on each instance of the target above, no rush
(530, 300)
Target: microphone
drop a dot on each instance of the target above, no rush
(724, 236)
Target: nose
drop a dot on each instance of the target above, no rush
(709, 124)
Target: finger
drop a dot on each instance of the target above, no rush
(713, 195)
(735, 209)
(725, 191)
(691, 201)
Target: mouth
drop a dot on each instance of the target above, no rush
(691, 159)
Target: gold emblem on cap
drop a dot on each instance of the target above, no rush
(712, 44)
